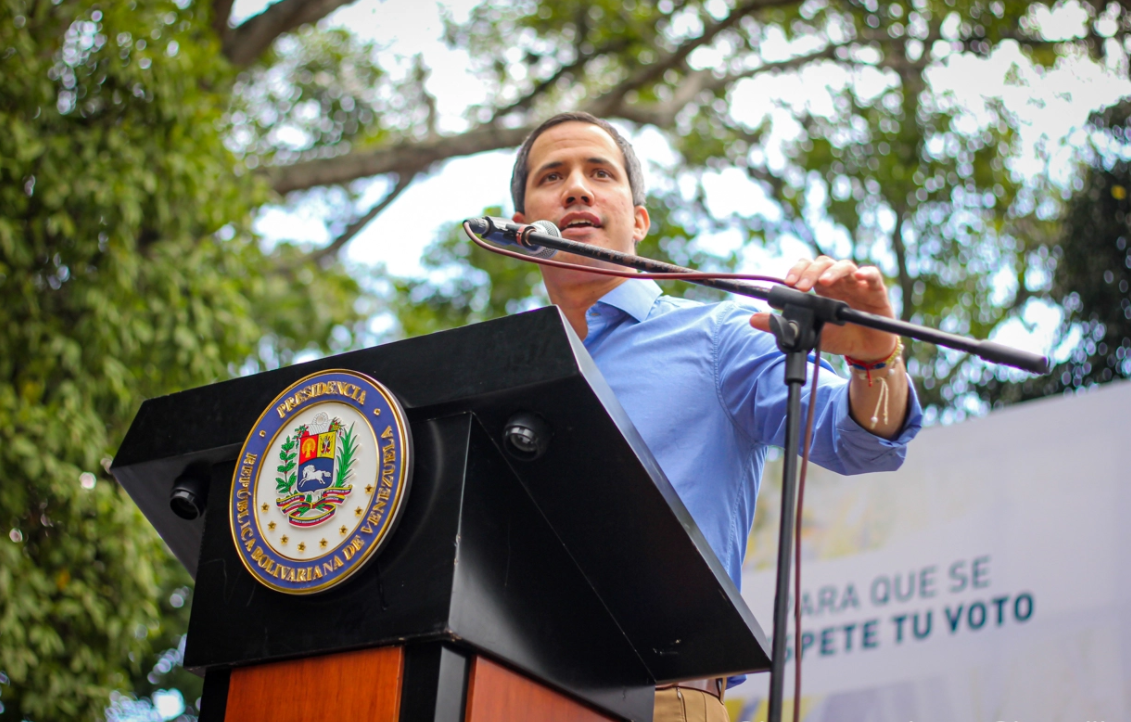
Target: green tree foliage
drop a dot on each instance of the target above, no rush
(316, 94)
(876, 164)
(465, 284)
(127, 270)
(907, 177)
(1094, 277)
(879, 162)
(1090, 253)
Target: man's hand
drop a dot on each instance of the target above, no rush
(861, 288)
(878, 400)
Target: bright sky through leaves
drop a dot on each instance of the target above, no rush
(1051, 106)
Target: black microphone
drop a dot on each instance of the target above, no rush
(509, 233)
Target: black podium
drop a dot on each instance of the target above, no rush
(575, 578)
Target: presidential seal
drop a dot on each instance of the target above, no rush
(321, 482)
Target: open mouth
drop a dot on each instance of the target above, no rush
(580, 220)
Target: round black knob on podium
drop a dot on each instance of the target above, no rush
(526, 435)
(189, 495)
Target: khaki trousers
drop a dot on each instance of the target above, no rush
(688, 705)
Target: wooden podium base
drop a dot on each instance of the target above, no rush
(368, 686)
(362, 685)
(496, 694)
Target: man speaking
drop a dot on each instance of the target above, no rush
(705, 390)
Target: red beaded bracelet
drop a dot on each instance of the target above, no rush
(869, 366)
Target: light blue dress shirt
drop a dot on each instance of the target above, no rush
(707, 393)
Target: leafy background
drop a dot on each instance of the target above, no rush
(143, 143)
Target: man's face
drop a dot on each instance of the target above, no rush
(578, 181)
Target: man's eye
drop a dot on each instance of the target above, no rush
(551, 177)
(602, 173)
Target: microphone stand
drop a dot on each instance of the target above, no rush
(796, 331)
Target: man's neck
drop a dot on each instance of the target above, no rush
(576, 298)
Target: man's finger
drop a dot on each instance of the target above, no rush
(761, 321)
(796, 271)
(872, 276)
(812, 272)
(836, 272)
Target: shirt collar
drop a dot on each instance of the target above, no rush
(634, 297)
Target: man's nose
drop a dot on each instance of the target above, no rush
(577, 191)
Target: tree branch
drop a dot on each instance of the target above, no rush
(243, 44)
(662, 115)
(544, 85)
(403, 159)
(221, 12)
(678, 57)
(906, 282)
(790, 220)
(415, 157)
(354, 228)
(420, 75)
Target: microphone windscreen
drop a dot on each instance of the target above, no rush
(478, 226)
(548, 228)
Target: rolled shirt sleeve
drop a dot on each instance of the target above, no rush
(750, 380)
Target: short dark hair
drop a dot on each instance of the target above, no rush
(521, 172)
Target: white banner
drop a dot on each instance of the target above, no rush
(988, 579)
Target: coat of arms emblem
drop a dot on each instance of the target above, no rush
(321, 481)
(314, 489)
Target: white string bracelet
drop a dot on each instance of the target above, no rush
(865, 368)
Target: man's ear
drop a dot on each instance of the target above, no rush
(518, 217)
(641, 223)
